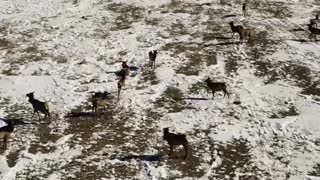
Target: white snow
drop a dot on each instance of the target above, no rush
(2, 123)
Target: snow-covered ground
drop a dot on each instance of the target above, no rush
(64, 50)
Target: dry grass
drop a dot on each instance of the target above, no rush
(275, 9)
(172, 101)
(126, 15)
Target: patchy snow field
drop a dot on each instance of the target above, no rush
(63, 50)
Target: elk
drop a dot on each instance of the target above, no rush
(152, 58)
(5, 131)
(125, 71)
(245, 33)
(314, 31)
(235, 29)
(39, 106)
(244, 10)
(314, 22)
(175, 139)
(217, 86)
(99, 99)
(245, 7)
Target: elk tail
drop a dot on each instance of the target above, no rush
(46, 106)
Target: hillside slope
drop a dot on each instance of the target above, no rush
(64, 50)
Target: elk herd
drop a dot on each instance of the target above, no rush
(101, 99)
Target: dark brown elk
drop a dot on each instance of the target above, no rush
(39, 106)
(235, 29)
(175, 139)
(245, 8)
(152, 58)
(314, 22)
(125, 71)
(314, 31)
(217, 86)
(5, 131)
(244, 33)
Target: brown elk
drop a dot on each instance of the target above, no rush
(152, 58)
(245, 7)
(125, 71)
(217, 86)
(175, 139)
(5, 131)
(39, 106)
(99, 99)
(314, 31)
(245, 34)
(235, 29)
(314, 22)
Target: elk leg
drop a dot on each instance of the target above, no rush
(39, 116)
(226, 92)
(241, 34)
(185, 146)
(119, 88)
(45, 115)
(213, 94)
(244, 8)
(171, 150)
(48, 115)
(310, 36)
(34, 111)
(5, 142)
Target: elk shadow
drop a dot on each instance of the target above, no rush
(297, 29)
(299, 40)
(157, 157)
(133, 68)
(118, 73)
(223, 38)
(229, 15)
(196, 99)
(222, 44)
(78, 114)
(21, 121)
